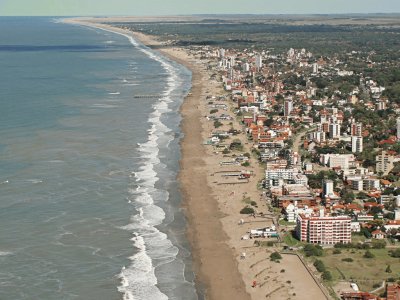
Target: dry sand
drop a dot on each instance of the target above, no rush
(212, 209)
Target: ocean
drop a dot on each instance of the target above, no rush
(90, 206)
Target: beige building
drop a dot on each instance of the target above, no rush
(384, 163)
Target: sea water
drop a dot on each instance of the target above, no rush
(89, 202)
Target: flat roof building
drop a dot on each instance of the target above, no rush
(324, 230)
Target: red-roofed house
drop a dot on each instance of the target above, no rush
(377, 234)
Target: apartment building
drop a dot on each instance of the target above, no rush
(324, 229)
(384, 163)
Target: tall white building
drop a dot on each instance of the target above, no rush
(291, 52)
(222, 52)
(334, 131)
(398, 128)
(288, 107)
(356, 144)
(384, 162)
(356, 129)
(327, 188)
(258, 61)
(246, 67)
(315, 68)
(232, 60)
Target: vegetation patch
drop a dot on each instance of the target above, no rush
(247, 210)
(275, 256)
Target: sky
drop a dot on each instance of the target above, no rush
(181, 7)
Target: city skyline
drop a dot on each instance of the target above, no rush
(181, 7)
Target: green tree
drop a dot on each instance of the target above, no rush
(313, 250)
(327, 276)
(247, 210)
(213, 111)
(275, 256)
(388, 269)
(319, 265)
(217, 124)
(395, 253)
(348, 196)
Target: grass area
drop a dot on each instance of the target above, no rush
(276, 210)
(286, 223)
(364, 271)
(270, 243)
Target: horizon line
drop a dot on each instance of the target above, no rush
(212, 14)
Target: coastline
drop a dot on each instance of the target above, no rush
(215, 266)
(212, 208)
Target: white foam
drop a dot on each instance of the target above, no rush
(100, 105)
(5, 253)
(138, 280)
(34, 181)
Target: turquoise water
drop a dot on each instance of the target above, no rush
(89, 204)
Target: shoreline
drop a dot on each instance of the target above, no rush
(214, 263)
(212, 206)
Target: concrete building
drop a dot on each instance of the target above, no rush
(341, 161)
(246, 67)
(315, 68)
(356, 129)
(380, 105)
(397, 214)
(327, 189)
(288, 107)
(258, 61)
(334, 131)
(222, 52)
(317, 136)
(384, 163)
(356, 144)
(398, 128)
(324, 230)
(357, 184)
(277, 177)
(292, 211)
(371, 184)
(365, 184)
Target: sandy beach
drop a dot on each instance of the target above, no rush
(212, 205)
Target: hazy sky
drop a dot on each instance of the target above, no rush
(173, 7)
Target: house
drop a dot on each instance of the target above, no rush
(377, 234)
